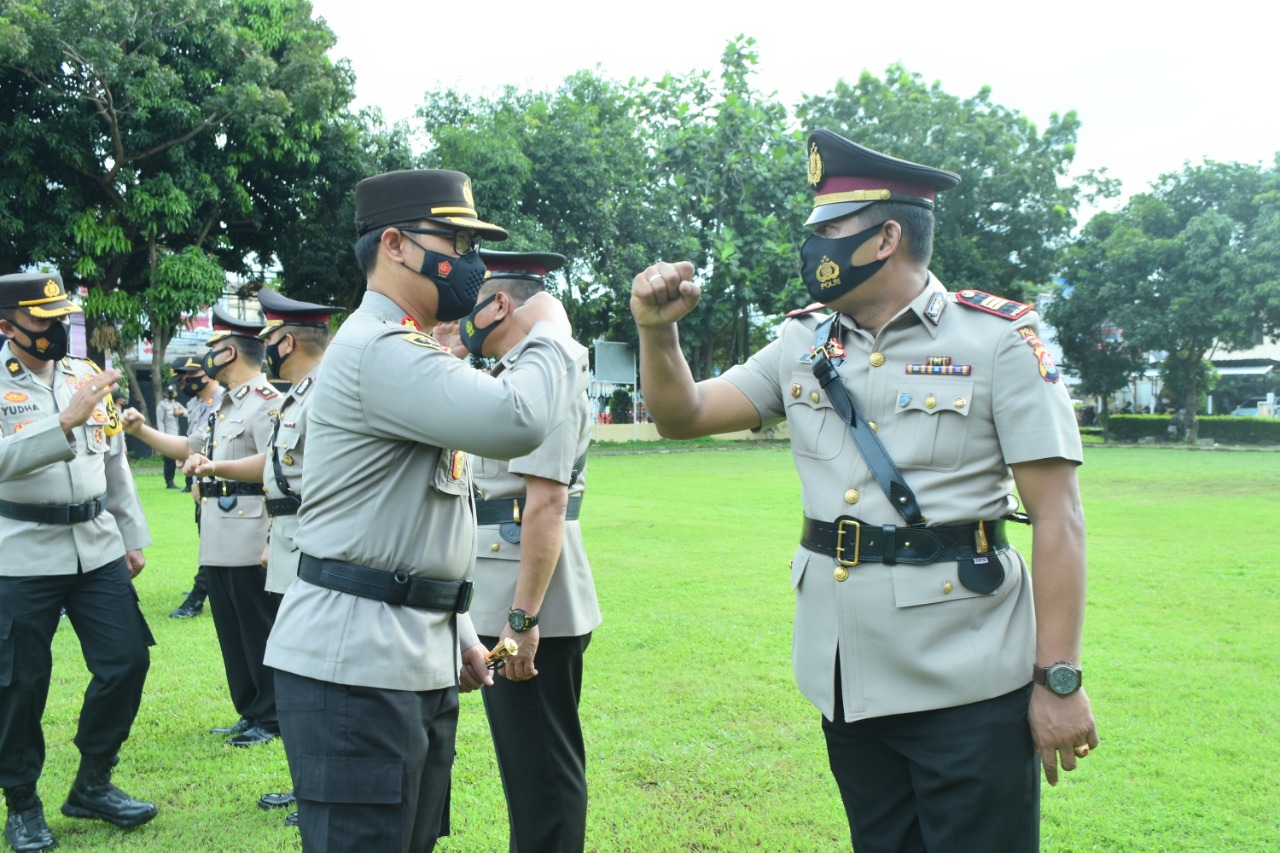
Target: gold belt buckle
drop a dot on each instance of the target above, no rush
(857, 542)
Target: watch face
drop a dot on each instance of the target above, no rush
(516, 619)
(1063, 680)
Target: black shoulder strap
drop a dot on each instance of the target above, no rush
(886, 473)
(281, 482)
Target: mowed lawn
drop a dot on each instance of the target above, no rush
(697, 737)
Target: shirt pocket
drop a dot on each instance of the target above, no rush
(816, 428)
(226, 436)
(937, 583)
(453, 473)
(492, 545)
(931, 422)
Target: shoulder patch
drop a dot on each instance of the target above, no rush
(419, 339)
(16, 397)
(1048, 370)
(808, 309)
(997, 305)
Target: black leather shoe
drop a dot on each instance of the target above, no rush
(277, 801)
(291, 819)
(186, 488)
(240, 725)
(172, 486)
(93, 796)
(187, 609)
(253, 737)
(25, 829)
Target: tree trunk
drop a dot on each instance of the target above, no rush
(1191, 424)
(1102, 419)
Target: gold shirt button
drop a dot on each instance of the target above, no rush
(204, 500)
(931, 402)
(815, 397)
(241, 512)
(215, 444)
(795, 390)
(222, 417)
(851, 496)
(288, 460)
(946, 588)
(961, 402)
(841, 574)
(495, 547)
(873, 426)
(877, 359)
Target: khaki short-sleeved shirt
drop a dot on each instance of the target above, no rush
(233, 530)
(909, 637)
(286, 448)
(570, 607)
(39, 464)
(393, 421)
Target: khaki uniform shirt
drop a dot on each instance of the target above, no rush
(570, 607)
(282, 565)
(393, 418)
(911, 637)
(233, 530)
(167, 417)
(41, 465)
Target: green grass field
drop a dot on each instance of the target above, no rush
(696, 735)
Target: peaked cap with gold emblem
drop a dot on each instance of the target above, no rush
(40, 294)
(279, 310)
(186, 364)
(409, 195)
(528, 265)
(847, 177)
(224, 326)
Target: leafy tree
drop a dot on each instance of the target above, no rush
(1003, 229)
(138, 135)
(1187, 269)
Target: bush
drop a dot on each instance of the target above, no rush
(1136, 427)
(620, 405)
(1224, 429)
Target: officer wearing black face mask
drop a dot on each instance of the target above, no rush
(913, 413)
(72, 533)
(387, 525)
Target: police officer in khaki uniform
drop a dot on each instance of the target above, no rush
(205, 397)
(233, 520)
(915, 634)
(296, 335)
(367, 642)
(533, 585)
(72, 533)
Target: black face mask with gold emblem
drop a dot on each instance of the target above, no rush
(49, 345)
(826, 268)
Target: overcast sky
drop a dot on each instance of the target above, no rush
(1154, 87)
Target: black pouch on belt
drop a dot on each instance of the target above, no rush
(981, 573)
(226, 503)
(510, 531)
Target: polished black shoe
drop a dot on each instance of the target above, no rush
(25, 829)
(277, 801)
(172, 486)
(186, 488)
(187, 609)
(291, 819)
(253, 737)
(240, 725)
(93, 796)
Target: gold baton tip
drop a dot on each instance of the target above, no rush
(506, 648)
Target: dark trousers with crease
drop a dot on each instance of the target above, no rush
(539, 745)
(102, 607)
(243, 613)
(370, 766)
(952, 779)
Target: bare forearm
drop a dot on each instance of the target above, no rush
(246, 470)
(173, 446)
(541, 539)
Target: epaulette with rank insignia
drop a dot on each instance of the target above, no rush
(303, 386)
(998, 305)
(423, 340)
(240, 392)
(266, 392)
(808, 309)
(14, 366)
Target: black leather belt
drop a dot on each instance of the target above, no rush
(54, 513)
(852, 541)
(506, 510)
(398, 587)
(226, 488)
(288, 505)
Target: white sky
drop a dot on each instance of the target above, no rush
(1154, 87)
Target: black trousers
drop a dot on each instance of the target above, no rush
(954, 779)
(370, 766)
(243, 613)
(170, 468)
(541, 756)
(103, 608)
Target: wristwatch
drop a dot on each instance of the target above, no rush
(521, 621)
(1063, 677)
